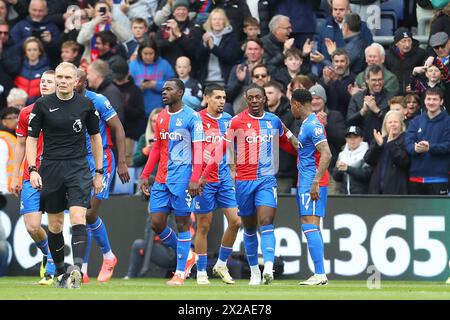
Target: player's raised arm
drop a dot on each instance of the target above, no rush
(324, 162)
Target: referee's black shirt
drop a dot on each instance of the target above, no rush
(64, 124)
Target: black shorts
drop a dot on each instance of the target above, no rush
(65, 183)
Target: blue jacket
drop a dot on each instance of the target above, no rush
(161, 71)
(330, 29)
(355, 46)
(433, 165)
(24, 29)
(300, 12)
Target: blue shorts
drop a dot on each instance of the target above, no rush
(29, 199)
(254, 193)
(109, 166)
(171, 196)
(312, 208)
(216, 195)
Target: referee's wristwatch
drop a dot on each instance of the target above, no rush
(32, 169)
(100, 171)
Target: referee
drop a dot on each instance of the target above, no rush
(64, 177)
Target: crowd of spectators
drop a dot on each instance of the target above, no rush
(384, 107)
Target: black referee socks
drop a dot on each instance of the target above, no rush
(79, 240)
(56, 245)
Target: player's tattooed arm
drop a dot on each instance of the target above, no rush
(325, 158)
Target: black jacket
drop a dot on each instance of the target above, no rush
(283, 77)
(236, 11)
(287, 162)
(391, 161)
(402, 67)
(112, 93)
(273, 52)
(186, 45)
(133, 98)
(371, 120)
(228, 52)
(335, 130)
(10, 59)
(338, 97)
(264, 16)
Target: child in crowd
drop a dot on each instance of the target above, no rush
(398, 104)
(251, 30)
(34, 65)
(70, 52)
(193, 93)
(350, 166)
(293, 62)
(139, 28)
(412, 102)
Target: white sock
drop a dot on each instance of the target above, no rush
(109, 255)
(180, 273)
(268, 267)
(255, 269)
(84, 268)
(221, 263)
(202, 274)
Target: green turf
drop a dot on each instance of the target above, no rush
(25, 288)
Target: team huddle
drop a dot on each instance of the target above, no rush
(206, 161)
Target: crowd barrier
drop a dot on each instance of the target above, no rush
(397, 237)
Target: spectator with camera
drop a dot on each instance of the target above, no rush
(38, 25)
(103, 19)
(179, 36)
(73, 19)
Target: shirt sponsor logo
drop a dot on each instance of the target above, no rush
(213, 138)
(174, 136)
(259, 139)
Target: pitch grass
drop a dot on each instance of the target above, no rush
(26, 288)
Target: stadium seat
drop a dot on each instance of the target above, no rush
(388, 24)
(396, 6)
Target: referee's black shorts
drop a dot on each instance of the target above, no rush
(65, 183)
